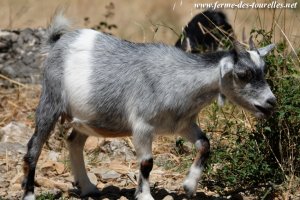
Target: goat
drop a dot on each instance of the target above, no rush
(105, 86)
(205, 32)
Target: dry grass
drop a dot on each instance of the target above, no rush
(18, 104)
(136, 19)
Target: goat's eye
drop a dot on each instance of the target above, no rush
(245, 75)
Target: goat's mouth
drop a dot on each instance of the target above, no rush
(263, 112)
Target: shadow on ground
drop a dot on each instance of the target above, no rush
(114, 193)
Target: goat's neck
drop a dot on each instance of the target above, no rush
(209, 85)
(207, 78)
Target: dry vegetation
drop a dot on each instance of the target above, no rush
(147, 21)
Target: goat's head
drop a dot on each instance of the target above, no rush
(242, 79)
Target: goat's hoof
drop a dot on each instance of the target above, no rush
(144, 196)
(189, 188)
(77, 193)
(29, 196)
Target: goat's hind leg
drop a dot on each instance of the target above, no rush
(47, 114)
(195, 135)
(85, 189)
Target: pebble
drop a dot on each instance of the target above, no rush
(93, 178)
(169, 197)
(111, 174)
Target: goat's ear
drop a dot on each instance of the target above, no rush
(226, 66)
(265, 50)
(238, 47)
(251, 44)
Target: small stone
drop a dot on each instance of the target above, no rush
(47, 183)
(15, 132)
(62, 186)
(3, 193)
(92, 143)
(93, 178)
(123, 198)
(53, 156)
(100, 185)
(59, 167)
(169, 197)
(111, 174)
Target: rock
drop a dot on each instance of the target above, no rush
(169, 197)
(123, 198)
(93, 178)
(109, 174)
(59, 167)
(93, 143)
(49, 166)
(118, 148)
(100, 185)
(3, 193)
(53, 156)
(47, 183)
(21, 58)
(15, 132)
(11, 149)
(119, 167)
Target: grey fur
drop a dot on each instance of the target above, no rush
(146, 89)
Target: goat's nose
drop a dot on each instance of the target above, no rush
(272, 101)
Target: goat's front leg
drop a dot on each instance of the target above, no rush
(195, 135)
(142, 140)
(76, 143)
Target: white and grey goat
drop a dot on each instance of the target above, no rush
(105, 86)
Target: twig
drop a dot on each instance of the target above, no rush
(165, 26)
(132, 179)
(288, 41)
(12, 81)
(279, 164)
(6, 158)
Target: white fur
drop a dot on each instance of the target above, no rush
(145, 195)
(188, 45)
(191, 181)
(263, 98)
(77, 162)
(226, 65)
(77, 73)
(265, 50)
(142, 136)
(82, 127)
(29, 196)
(255, 58)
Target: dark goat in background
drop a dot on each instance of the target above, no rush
(205, 32)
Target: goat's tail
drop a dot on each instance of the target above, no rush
(59, 25)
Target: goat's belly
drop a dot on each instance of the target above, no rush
(86, 129)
